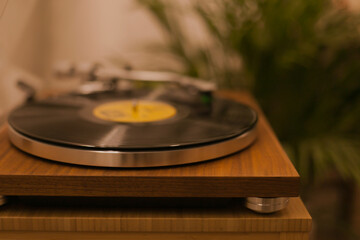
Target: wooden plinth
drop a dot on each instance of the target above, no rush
(262, 170)
(19, 220)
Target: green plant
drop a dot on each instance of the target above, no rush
(300, 58)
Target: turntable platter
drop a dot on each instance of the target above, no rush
(122, 129)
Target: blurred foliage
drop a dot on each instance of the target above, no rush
(301, 60)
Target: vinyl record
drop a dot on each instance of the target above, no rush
(134, 121)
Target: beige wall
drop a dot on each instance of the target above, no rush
(36, 34)
(93, 29)
(102, 29)
(21, 39)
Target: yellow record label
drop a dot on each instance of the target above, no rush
(136, 111)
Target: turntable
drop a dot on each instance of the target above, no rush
(111, 138)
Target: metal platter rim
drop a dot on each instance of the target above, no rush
(131, 159)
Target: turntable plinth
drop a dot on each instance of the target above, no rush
(261, 170)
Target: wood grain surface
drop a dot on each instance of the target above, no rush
(233, 218)
(262, 170)
(150, 236)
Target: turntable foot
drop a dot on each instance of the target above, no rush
(266, 204)
(2, 200)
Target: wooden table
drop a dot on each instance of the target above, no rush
(19, 220)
